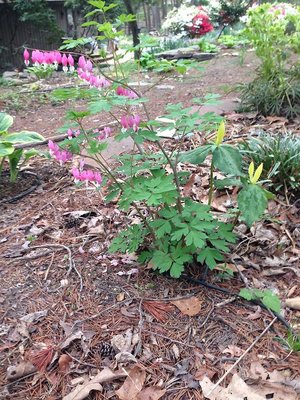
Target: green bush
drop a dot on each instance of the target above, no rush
(274, 32)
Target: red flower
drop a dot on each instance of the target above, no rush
(201, 24)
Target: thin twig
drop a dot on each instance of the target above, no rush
(71, 262)
(241, 357)
(48, 269)
(208, 315)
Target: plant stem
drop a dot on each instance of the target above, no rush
(211, 183)
(112, 176)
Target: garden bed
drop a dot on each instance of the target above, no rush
(81, 302)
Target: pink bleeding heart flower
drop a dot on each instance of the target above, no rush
(82, 62)
(130, 122)
(103, 83)
(90, 175)
(64, 61)
(26, 56)
(93, 80)
(57, 57)
(98, 178)
(63, 156)
(126, 92)
(33, 57)
(53, 147)
(124, 122)
(108, 131)
(76, 173)
(83, 175)
(70, 133)
(40, 57)
(136, 122)
(89, 66)
(120, 91)
(48, 59)
(71, 63)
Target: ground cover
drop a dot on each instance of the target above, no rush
(87, 310)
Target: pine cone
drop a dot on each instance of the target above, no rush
(106, 350)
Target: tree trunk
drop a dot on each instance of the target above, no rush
(164, 5)
(156, 17)
(149, 17)
(134, 29)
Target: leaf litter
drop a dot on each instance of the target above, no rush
(85, 325)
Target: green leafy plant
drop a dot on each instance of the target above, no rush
(280, 156)
(266, 297)
(42, 71)
(207, 47)
(170, 230)
(16, 156)
(292, 342)
(273, 30)
(230, 41)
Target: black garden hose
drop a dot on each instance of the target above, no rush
(25, 192)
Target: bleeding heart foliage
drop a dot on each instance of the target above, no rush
(171, 230)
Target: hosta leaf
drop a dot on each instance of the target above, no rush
(252, 202)
(6, 149)
(6, 121)
(24, 137)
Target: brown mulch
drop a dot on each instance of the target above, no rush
(118, 295)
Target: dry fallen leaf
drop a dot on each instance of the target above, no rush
(15, 372)
(204, 372)
(82, 391)
(151, 393)
(233, 350)
(238, 389)
(120, 296)
(190, 306)
(158, 309)
(133, 384)
(64, 363)
(255, 315)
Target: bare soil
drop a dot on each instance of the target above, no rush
(54, 260)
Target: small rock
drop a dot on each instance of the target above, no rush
(10, 74)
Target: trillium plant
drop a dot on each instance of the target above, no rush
(171, 230)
